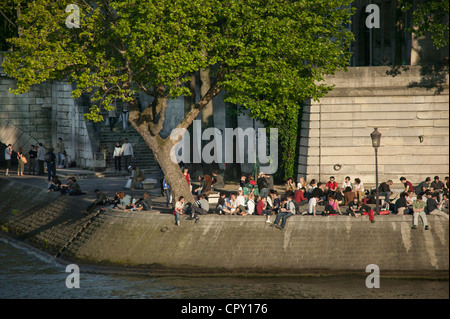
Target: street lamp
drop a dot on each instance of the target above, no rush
(376, 137)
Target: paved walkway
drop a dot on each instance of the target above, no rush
(111, 182)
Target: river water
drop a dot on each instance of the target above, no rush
(27, 274)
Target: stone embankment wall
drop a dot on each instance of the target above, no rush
(221, 244)
(408, 105)
(42, 115)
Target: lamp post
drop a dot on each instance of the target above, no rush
(376, 136)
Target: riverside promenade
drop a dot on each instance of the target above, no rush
(219, 245)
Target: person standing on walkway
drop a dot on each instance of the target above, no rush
(112, 117)
(50, 158)
(21, 161)
(117, 157)
(60, 151)
(8, 153)
(127, 153)
(41, 159)
(168, 192)
(32, 160)
(125, 115)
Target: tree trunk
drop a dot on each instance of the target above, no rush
(161, 149)
(207, 117)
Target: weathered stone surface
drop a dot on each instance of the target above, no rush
(363, 98)
(220, 243)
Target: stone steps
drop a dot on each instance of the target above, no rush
(143, 156)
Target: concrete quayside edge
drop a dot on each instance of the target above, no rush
(150, 243)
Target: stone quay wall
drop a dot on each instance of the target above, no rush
(42, 115)
(220, 244)
(410, 108)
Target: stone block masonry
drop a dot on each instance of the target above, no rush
(222, 244)
(42, 115)
(337, 129)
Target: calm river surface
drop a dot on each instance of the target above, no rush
(26, 274)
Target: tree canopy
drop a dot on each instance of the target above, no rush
(267, 55)
(262, 51)
(430, 17)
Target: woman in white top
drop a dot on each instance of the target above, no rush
(240, 203)
(358, 188)
(251, 204)
(347, 183)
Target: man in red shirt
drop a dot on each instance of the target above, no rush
(407, 184)
(261, 209)
(299, 196)
(331, 186)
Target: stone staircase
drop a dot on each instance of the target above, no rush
(143, 156)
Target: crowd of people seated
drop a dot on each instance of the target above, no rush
(259, 197)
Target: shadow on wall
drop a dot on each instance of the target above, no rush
(434, 68)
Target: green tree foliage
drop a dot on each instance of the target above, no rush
(430, 17)
(268, 55)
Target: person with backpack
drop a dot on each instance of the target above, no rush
(50, 159)
(285, 212)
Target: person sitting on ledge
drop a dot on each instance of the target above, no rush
(407, 184)
(358, 188)
(240, 203)
(433, 205)
(385, 190)
(251, 205)
(331, 187)
(354, 207)
(72, 187)
(285, 212)
(332, 208)
(444, 204)
(349, 194)
(144, 203)
(221, 204)
(401, 205)
(123, 201)
(262, 209)
(319, 192)
(312, 206)
(200, 207)
(423, 186)
(312, 185)
(217, 180)
(54, 185)
(340, 196)
(367, 209)
(207, 185)
(99, 201)
(419, 210)
(299, 196)
(137, 175)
